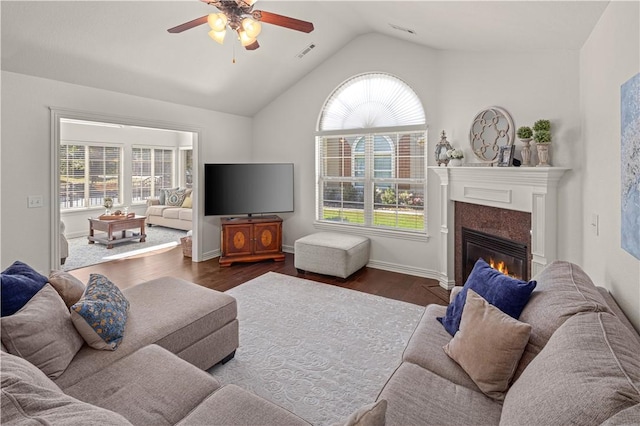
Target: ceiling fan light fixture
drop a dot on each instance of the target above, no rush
(218, 35)
(245, 40)
(251, 27)
(217, 21)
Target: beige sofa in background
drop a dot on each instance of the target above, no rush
(178, 217)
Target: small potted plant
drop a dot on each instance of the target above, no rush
(525, 134)
(455, 157)
(542, 137)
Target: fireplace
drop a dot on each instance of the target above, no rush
(507, 256)
(525, 203)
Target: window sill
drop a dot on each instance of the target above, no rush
(366, 231)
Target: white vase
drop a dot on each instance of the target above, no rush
(543, 154)
(526, 152)
(455, 162)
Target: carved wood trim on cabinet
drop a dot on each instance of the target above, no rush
(249, 239)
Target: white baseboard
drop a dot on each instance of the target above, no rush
(404, 269)
(210, 255)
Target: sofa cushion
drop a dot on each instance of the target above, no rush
(190, 313)
(185, 214)
(563, 290)
(588, 371)
(488, 345)
(373, 414)
(232, 405)
(416, 396)
(26, 403)
(156, 210)
(23, 370)
(42, 333)
(151, 386)
(68, 287)
(425, 349)
(187, 203)
(18, 284)
(628, 416)
(505, 293)
(100, 316)
(171, 212)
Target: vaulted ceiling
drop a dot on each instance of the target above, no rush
(123, 46)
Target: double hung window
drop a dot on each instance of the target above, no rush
(88, 174)
(151, 170)
(371, 155)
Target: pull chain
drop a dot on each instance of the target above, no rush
(234, 54)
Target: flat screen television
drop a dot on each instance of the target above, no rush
(248, 189)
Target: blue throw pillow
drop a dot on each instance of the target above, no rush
(100, 316)
(508, 294)
(19, 283)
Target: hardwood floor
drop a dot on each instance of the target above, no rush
(131, 271)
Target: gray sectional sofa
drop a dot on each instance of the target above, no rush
(174, 330)
(581, 365)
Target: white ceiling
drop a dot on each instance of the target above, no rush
(124, 46)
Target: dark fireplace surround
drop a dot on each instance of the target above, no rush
(511, 227)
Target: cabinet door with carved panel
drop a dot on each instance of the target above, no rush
(268, 237)
(237, 239)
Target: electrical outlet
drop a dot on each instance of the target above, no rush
(34, 201)
(595, 224)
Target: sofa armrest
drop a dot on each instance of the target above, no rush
(152, 201)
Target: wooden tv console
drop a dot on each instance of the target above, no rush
(251, 239)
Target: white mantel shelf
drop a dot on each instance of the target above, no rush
(527, 189)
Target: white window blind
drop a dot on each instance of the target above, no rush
(372, 177)
(88, 174)
(152, 170)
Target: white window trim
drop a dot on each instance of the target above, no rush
(417, 235)
(86, 144)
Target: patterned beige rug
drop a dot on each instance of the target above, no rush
(318, 350)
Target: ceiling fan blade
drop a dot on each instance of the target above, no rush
(188, 25)
(283, 21)
(253, 46)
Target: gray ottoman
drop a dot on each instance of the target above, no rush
(331, 253)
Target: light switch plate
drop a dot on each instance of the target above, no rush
(34, 201)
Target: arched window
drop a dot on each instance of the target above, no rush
(370, 154)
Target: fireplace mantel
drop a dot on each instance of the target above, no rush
(527, 189)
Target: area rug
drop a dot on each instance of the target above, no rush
(82, 254)
(318, 350)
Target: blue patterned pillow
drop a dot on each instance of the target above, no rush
(18, 284)
(505, 293)
(100, 315)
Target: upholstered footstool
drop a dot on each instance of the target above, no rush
(331, 253)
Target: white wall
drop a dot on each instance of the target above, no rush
(454, 87)
(530, 86)
(25, 161)
(610, 57)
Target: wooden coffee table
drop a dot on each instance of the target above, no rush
(112, 227)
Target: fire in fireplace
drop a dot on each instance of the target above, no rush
(506, 256)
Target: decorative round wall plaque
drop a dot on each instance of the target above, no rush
(491, 129)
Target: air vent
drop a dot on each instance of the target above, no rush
(305, 51)
(399, 28)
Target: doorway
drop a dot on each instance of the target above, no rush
(96, 157)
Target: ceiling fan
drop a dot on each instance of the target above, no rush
(240, 17)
